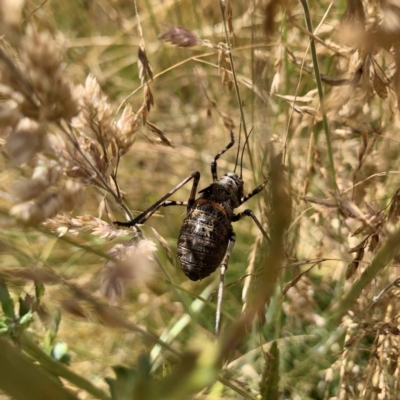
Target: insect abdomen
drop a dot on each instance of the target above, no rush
(203, 239)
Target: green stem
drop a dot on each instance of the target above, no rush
(386, 253)
(59, 369)
(304, 3)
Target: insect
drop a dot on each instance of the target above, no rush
(206, 238)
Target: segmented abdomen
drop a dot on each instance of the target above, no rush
(203, 239)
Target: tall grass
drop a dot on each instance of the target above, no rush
(106, 106)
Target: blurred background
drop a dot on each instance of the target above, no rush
(320, 335)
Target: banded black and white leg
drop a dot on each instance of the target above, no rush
(232, 239)
(214, 162)
(145, 215)
(223, 268)
(257, 190)
(249, 213)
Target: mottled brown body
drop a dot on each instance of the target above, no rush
(207, 228)
(203, 239)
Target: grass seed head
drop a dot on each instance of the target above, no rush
(45, 174)
(27, 139)
(180, 37)
(95, 116)
(42, 64)
(133, 262)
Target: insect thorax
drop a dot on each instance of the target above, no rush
(227, 192)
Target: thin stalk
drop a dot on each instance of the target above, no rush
(307, 16)
(385, 254)
(111, 317)
(235, 81)
(177, 292)
(60, 369)
(235, 388)
(65, 238)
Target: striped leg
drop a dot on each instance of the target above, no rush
(257, 190)
(145, 215)
(214, 163)
(249, 213)
(223, 268)
(174, 203)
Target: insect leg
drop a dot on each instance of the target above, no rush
(173, 203)
(145, 215)
(249, 213)
(223, 268)
(257, 190)
(214, 163)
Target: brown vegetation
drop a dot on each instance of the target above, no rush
(106, 105)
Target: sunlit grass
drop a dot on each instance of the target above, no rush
(293, 326)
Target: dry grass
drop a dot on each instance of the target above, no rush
(105, 106)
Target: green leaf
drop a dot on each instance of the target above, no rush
(6, 302)
(59, 369)
(132, 383)
(269, 385)
(21, 379)
(39, 290)
(51, 333)
(121, 388)
(144, 366)
(26, 319)
(23, 306)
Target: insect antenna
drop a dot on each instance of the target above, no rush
(238, 149)
(241, 158)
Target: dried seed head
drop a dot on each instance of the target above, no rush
(351, 30)
(24, 211)
(161, 135)
(391, 16)
(27, 189)
(353, 266)
(45, 174)
(41, 58)
(25, 141)
(148, 98)
(126, 127)
(127, 122)
(228, 121)
(394, 210)
(145, 69)
(49, 204)
(180, 37)
(9, 115)
(351, 269)
(10, 16)
(94, 118)
(63, 224)
(374, 243)
(380, 86)
(354, 12)
(71, 195)
(72, 306)
(271, 8)
(34, 212)
(133, 262)
(300, 301)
